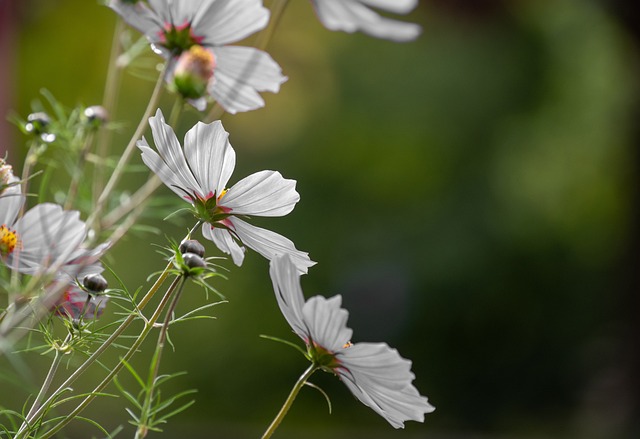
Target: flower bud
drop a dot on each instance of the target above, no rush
(193, 71)
(192, 260)
(192, 246)
(6, 175)
(37, 124)
(95, 283)
(96, 115)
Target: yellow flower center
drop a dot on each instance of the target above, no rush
(8, 240)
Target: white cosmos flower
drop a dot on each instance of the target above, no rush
(355, 15)
(375, 373)
(173, 26)
(45, 236)
(200, 175)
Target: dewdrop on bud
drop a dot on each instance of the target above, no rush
(95, 283)
(192, 246)
(193, 71)
(192, 260)
(96, 115)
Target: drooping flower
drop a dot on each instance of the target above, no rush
(355, 15)
(174, 26)
(375, 373)
(200, 174)
(45, 236)
(76, 304)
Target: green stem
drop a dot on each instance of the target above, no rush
(143, 429)
(102, 348)
(77, 173)
(149, 325)
(289, 402)
(126, 155)
(109, 103)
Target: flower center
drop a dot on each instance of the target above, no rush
(322, 357)
(208, 209)
(8, 240)
(177, 39)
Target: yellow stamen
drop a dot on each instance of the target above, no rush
(347, 345)
(8, 240)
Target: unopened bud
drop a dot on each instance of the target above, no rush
(37, 124)
(193, 71)
(96, 115)
(95, 283)
(192, 246)
(192, 260)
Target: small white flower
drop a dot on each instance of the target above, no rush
(200, 175)
(355, 15)
(44, 236)
(174, 26)
(375, 373)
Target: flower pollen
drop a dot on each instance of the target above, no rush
(177, 39)
(8, 240)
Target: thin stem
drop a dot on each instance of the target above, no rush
(103, 347)
(143, 429)
(135, 200)
(109, 101)
(77, 172)
(289, 402)
(47, 381)
(126, 155)
(149, 325)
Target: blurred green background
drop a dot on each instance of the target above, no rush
(472, 195)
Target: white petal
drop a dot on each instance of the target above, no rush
(11, 200)
(351, 16)
(210, 156)
(381, 379)
(265, 193)
(240, 73)
(286, 285)
(270, 244)
(49, 236)
(227, 21)
(225, 242)
(160, 168)
(138, 16)
(396, 6)
(327, 322)
(171, 152)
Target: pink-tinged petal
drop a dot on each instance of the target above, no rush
(76, 303)
(350, 16)
(49, 236)
(227, 21)
(210, 156)
(138, 16)
(270, 244)
(171, 152)
(160, 168)
(242, 72)
(286, 285)
(327, 322)
(225, 242)
(381, 379)
(265, 193)
(11, 200)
